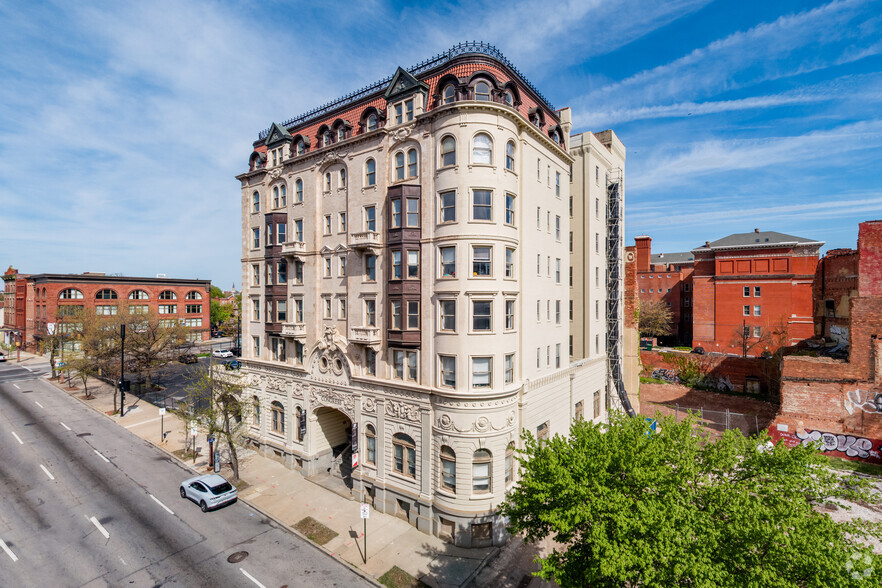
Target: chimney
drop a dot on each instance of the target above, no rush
(644, 252)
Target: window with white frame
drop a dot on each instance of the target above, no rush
(509, 315)
(403, 455)
(510, 156)
(399, 166)
(482, 205)
(509, 209)
(298, 230)
(447, 201)
(370, 173)
(482, 372)
(746, 310)
(448, 370)
(370, 218)
(448, 469)
(482, 311)
(298, 191)
(756, 310)
(396, 265)
(448, 151)
(509, 262)
(482, 91)
(370, 267)
(481, 261)
(508, 365)
(481, 471)
(342, 222)
(449, 94)
(327, 224)
(413, 212)
(482, 149)
(298, 310)
(404, 365)
(412, 163)
(395, 314)
(255, 202)
(413, 315)
(448, 315)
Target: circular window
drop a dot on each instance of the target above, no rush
(339, 365)
(324, 362)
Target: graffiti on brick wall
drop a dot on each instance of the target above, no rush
(833, 444)
(720, 383)
(864, 400)
(666, 375)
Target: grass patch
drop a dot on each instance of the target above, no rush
(681, 348)
(242, 485)
(185, 455)
(398, 578)
(315, 531)
(645, 380)
(849, 465)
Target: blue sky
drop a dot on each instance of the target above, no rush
(122, 125)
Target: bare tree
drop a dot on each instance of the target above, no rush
(654, 319)
(151, 341)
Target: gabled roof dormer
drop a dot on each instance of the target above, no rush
(277, 135)
(403, 84)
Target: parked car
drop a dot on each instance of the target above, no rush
(187, 358)
(233, 364)
(208, 491)
(222, 353)
(237, 351)
(697, 350)
(2, 358)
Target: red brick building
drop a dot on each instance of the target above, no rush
(838, 402)
(41, 298)
(10, 332)
(753, 292)
(667, 277)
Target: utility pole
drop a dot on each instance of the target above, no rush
(122, 363)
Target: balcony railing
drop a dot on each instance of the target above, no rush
(364, 335)
(297, 248)
(365, 240)
(296, 330)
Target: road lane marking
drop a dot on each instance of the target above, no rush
(16, 385)
(252, 578)
(101, 456)
(17, 438)
(38, 404)
(155, 499)
(48, 473)
(100, 528)
(7, 550)
(65, 426)
(142, 423)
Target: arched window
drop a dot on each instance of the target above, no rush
(448, 151)
(370, 441)
(482, 91)
(298, 190)
(283, 195)
(138, 295)
(509, 463)
(449, 93)
(509, 156)
(167, 295)
(328, 182)
(278, 417)
(255, 411)
(44, 293)
(193, 295)
(70, 294)
(481, 470)
(255, 202)
(328, 138)
(554, 136)
(299, 414)
(448, 468)
(301, 147)
(508, 98)
(370, 173)
(412, 163)
(106, 294)
(399, 165)
(342, 178)
(372, 122)
(404, 455)
(482, 149)
(275, 196)
(341, 133)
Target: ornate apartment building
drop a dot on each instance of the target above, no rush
(405, 266)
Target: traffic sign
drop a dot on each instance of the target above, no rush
(365, 511)
(161, 411)
(193, 430)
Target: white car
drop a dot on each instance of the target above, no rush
(208, 491)
(222, 353)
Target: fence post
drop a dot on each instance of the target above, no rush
(676, 413)
(727, 418)
(756, 422)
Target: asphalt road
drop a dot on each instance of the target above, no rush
(85, 503)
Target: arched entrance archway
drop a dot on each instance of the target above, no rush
(333, 445)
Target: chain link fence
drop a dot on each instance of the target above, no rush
(719, 420)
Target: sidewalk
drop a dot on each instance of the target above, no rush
(288, 497)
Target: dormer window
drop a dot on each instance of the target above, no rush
(404, 111)
(341, 133)
(301, 148)
(372, 122)
(328, 138)
(507, 97)
(482, 91)
(449, 94)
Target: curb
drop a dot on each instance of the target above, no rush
(359, 572)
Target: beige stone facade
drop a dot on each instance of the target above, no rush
(417, 259)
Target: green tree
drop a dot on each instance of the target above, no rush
(633, 508)
(216, 405)
(654, 319)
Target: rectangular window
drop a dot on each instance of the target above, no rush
(538, 310)
(746, 310)
(538, 265)
(255, 275)
(557, 271)
(269, 235)
(342, 266)
(133, 309)
(757, 331)
(557, 227)
(578, 411)
(269, 274)
(396, 213)
(408, 110)
(163, 309)
(538, 357)
(255, 309)
(396, 265)
(298, 272)
(448, 370)
(282, 232)
(399, 114)
(538, 218)
(597, 309)
(482, 209)
(413, 264)
(404, 364)
(557, 312)
(298, 310)
(597, 207)
(327, 306)
(509, 315)
(327, 267)
(370, 360)
(448, 262)
(108, 310)
(509, 210)
(327, 224)
(396, 314)
(481, 264)
(448, 206)
(509, 262)
(342, 222)
(557, 355)
(557, 184)
(283, 272)
(571, 241)
(448, 315)
(413, 212)
(509, 368)
(746, 291)
(597, 242)
(370, 218)
(596, 403)
(370, 267)
(481, 372)
(298, 230)
(756, 310)
(597, 277)
(255, 238)
(571, 310)
(542, 431)
(256, 341)
(756, 291)
(193, 308)
(481, 315)
(413, 314)
(341, 309)
(282, 311)
(370, 312)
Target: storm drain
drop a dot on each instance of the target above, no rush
(84, 434)
(237, 557)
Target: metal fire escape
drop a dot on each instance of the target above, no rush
(614, 290)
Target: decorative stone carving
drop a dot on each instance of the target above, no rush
(481, 425)
(298, 389)
(402, 133)
(402, 410)
(368, 404)
(331, 157)
(445, 422)
(277, 384)
(275, 173)
(326, 397)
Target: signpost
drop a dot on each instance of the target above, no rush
(365, 515)
(193, 433)
(162, 423)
